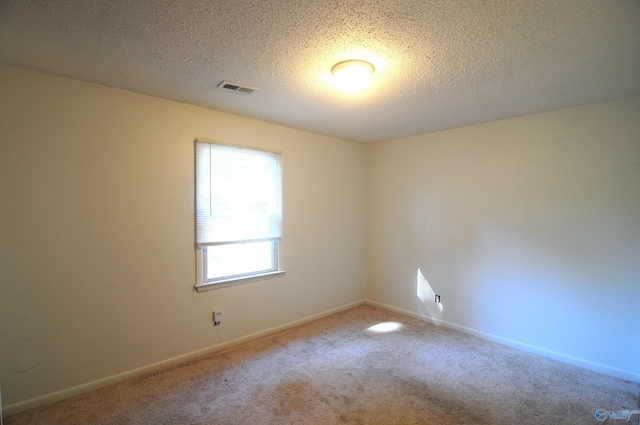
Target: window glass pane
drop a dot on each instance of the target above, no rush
(238, 259)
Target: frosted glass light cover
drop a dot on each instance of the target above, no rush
(353, 75)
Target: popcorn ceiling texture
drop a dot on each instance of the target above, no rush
(439, 64)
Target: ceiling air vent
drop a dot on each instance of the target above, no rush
(228, 85)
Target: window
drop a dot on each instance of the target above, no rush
(238, 214)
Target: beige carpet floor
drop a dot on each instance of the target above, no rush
(342, 370)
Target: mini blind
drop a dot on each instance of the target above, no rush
(238, 194)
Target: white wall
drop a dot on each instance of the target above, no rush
(529, 229)
(97, 261)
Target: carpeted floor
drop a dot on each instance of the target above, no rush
(344, 369)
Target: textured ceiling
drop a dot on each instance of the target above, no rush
(439, 64)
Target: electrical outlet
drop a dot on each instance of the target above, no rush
(437, 298)
(217, 317)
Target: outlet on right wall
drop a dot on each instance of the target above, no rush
(528, 227)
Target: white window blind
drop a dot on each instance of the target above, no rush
(238, 195)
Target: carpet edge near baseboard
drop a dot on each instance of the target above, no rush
(554, 355)
(34, 403)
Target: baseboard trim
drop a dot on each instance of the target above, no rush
(34, 403)
(575, 361)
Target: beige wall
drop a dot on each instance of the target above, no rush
(528, 228)
(97, 261)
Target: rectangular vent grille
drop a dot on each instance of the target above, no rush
(241, 88)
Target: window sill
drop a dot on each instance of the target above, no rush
(208, 286)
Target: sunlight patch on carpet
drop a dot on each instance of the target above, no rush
(385, 327)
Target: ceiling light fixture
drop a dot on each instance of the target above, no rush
(353, 75)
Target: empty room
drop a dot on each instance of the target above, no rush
(343, 212)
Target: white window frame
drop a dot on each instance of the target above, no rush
(204, 284)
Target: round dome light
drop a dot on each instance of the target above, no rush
(353, 75)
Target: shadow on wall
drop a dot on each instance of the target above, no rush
(427, 305)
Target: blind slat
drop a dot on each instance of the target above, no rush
(238, 194)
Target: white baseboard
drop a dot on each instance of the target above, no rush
(14, 409)
(34, 403)
(575, 361)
